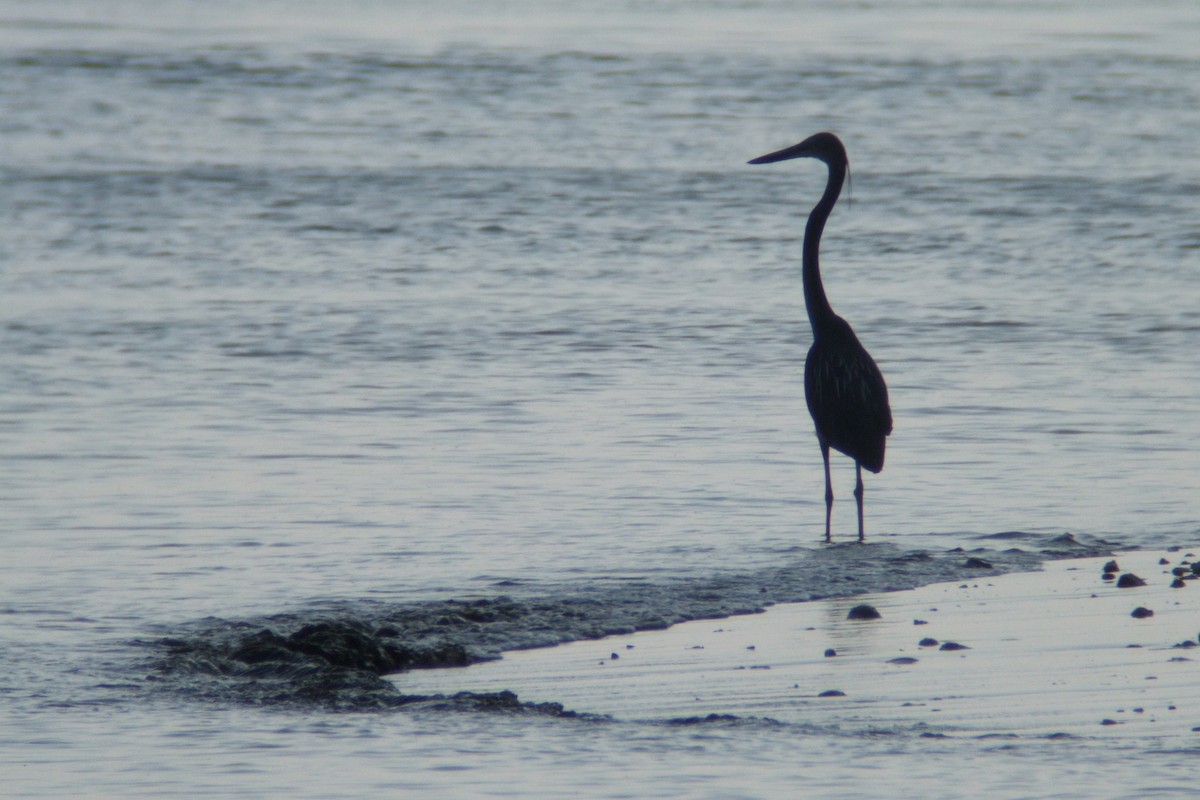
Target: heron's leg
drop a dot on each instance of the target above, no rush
(858, 495)
(828, 490)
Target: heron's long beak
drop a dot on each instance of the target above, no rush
(795, 151)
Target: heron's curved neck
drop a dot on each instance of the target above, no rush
(815, 301)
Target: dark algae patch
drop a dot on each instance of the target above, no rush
(336, 655)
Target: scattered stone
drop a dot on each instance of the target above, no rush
(919, 622)
(1129, 581)
(1141, 612)
(1178, 583)
(832, 693)
(1111, 566)
(1163, 561)
(1179, 572)
(953, 646)
(613, 657)
(928, 642)
(1185, 644)
(830, 652)
(864, 612)
(1108, 576)
(1109, 722)
(977, 563)
(1196, 567)
(902, 660)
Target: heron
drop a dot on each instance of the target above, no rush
(843, 387)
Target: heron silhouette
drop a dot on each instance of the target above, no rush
(844, 388)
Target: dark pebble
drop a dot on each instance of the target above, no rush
(1141, 612)
(953, 646)
(1163, 561)
(1196, 567)
(919, 622)
(1178, 583)
(1179, 572)
(1129, 580)
(863, 612)
(1108, 576)
(613, 657)
(830, 653)
(1109, 722)
(977, 563)
(832, 693)
(902, 660)
(928, 642)
(1111, 567)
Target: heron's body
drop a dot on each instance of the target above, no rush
(844, 388)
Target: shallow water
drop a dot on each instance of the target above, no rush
(303, 306)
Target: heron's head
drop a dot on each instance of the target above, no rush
(822, 146)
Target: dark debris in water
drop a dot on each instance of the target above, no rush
(336, 656)
(725, 721)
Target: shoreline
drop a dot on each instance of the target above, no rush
(339, 656)
(1046, 654)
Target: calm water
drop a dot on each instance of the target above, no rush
(369, 302)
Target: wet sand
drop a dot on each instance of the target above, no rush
(1048, 653)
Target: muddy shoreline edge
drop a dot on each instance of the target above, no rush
(335, 657)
